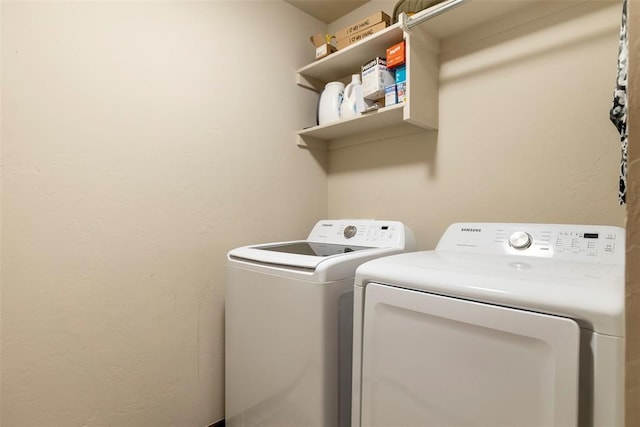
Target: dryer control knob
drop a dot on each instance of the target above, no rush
(520, 240)
(350, 231)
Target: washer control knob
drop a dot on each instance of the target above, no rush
(350, 231)
(520, 240)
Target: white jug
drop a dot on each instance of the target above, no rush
(329, 105)
(352, 100)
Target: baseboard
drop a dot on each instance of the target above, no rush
(218, 424)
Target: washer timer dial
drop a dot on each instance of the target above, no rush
(350, 231)
(520, 240)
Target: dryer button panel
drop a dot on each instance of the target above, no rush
(575, 242)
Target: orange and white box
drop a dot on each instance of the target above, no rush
(396, 55)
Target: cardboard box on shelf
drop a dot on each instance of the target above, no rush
(375, 78)
(360, 35)
(401, 90)
(324, 50)
(323, 45)
(390, 95)
(401, 73)
(363, 24)
(395, 55)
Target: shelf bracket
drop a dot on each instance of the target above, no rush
(406, 23)
(309, 83)
(311, 143)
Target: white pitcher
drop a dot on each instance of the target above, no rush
(352, 100)
(329, 105)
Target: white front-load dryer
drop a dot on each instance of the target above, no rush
(501, 325)
(289, 323)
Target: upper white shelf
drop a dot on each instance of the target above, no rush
(341, 63)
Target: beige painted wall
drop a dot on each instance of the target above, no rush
(140, 142)
(524, 132)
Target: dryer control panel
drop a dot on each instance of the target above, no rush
(589, 243)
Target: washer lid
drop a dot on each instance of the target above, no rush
(345, 242)
(590, 293)
(299, 253)
(310, 268)
(311, 248)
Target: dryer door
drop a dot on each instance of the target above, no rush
(430, 360)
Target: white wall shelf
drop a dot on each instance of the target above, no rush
(385, 123)
(418, 113)
(347, 61)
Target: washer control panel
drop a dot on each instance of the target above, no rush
(595, 243)
(372, 233)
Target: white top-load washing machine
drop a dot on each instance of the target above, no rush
(289, 323)
(500, 325)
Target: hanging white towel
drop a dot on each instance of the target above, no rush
(618, 113)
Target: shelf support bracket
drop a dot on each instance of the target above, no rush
(309, 83)
(406, 23)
